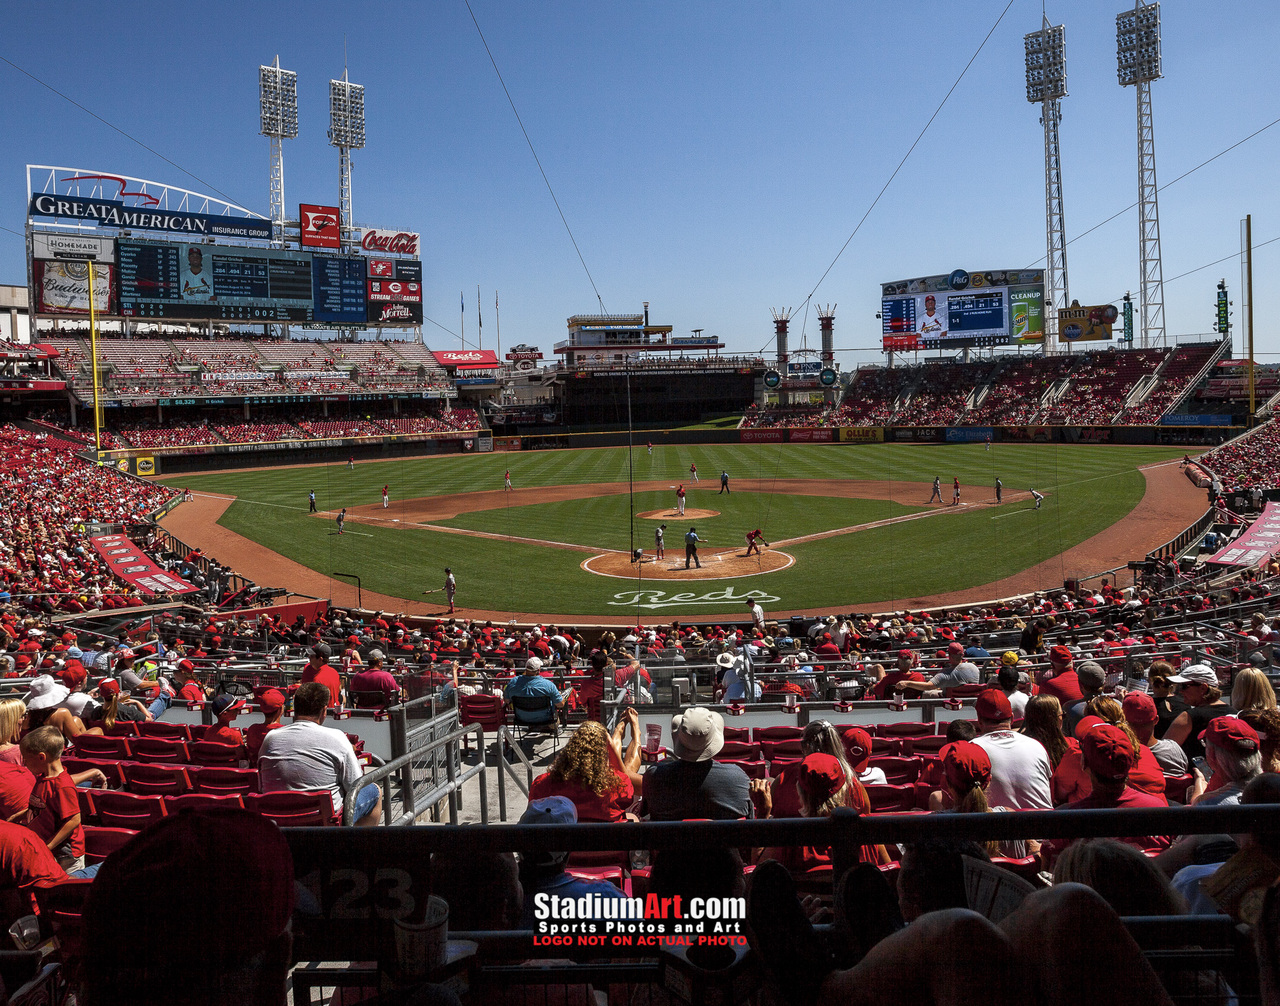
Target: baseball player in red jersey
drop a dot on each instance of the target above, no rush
(507, 479)
(650, 448)
(386, 495)
(693, 470)
(680, 499)
(955, 491)
(754, 538)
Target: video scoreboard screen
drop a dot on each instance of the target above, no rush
(179, 280)
(963, 309)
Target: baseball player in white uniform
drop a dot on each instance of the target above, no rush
(659, 542)
(1037, 497)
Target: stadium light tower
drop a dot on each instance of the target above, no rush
(346, 132)
(278, 97)
(1046, 87)
(1138, 63)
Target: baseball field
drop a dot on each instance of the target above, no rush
(846, 526)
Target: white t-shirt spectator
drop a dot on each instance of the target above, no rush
(873, 777)
(1018, 702)
(1020, 771)
(306, 755)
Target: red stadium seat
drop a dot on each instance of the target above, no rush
(201, 801)
(221, 780)
(789, 748)
(924, 745)
(95, 746)
(121, 728)
(61, 906)
(1176, 787)
(161, 750)
(911, 729)
(779, 733)
(891, 799)
(898, 771)
(127, 810)
(487, 710)
(99, 843)
(1028, 868)
(737, 734)
(113, 770)
(159, 728)
(156, 779)
(214, 753)
(88, 813)
(300, 808)
(738, 751)
(754, 769)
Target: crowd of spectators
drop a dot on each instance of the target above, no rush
(1251, 460)
(152, 434)
(784, 417)
(1182, 368)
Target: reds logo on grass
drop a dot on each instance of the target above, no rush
(651, 599)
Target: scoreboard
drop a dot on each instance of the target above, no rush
(990, 308)
(198, 280)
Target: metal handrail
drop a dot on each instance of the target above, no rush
(502, 744)
(454, 783)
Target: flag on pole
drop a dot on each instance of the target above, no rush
(479, 314)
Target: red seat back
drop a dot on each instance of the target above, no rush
(785, 748)
(912, 729)
(96, 746)
(891, 799)
(1175, 787)
(108, 767)
(214, 753)
(156, 780)
(160, 749)
(61, 906)
(898, 771)
(1027, 868)
(196, 801)
(754, 769)
(222, 781)
(778, 733)
(738, 751)
(487, 710)
(99, 843)
(737, 733)
(127, 810)
(302, 808)
(158, 728)
(924, 745)
(121, 728)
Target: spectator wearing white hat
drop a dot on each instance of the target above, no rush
(1204, 701)
(693, 784)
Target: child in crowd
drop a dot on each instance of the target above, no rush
(53, 812)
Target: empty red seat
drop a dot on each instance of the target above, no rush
(99, 843)
(160, 749)
(296, 808)
(778, 733)
(786, 748)
(121, 728)
(222, 780)
(213, 753)
(96, 746)
(737, 733)
(924, 745)
(486, 710)
(898, 771)
(754, 769)
(738, 751)
(127, 810)
(891, 799)
(159, 728)
(147, 779)
(912, 729)
(201, 801)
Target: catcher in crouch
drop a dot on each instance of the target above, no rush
(754, 538)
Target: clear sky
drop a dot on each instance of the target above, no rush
(711, 158)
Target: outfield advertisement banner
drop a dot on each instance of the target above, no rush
(1210, 419)
(968, 434)
(762, 436)
(135, 567)
(919, 434)
(1257, 544)
(812, 436)
(862, 434)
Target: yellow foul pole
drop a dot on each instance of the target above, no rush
(93, 347)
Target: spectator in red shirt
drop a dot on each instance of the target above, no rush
(593, 772)
(225, 709)
(318, 669)
(53, 810)
(1062, 683)
(25, 863)
(271, 703)
(189, 688)
(374, 679)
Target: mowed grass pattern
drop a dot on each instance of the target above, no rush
(1088, 488)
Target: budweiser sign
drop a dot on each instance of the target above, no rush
(390, 242)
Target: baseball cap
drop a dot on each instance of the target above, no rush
(1108, 752)
(993, 706)
(320, 650)
(1009, 658)
(857, 744)
(109, 686)
(1091, 672)
(1140, 709)
(272, 700)
(550, 810)
(1199, 674)
(1060, 655)
(821, 777)
(73, 674)
(965, 765)
(904, 655)
(533, 664)
(227, 705)
(697, 734)
(1230, 733)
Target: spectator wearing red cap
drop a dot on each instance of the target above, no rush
(1233, 752)
(225, 709)
(271, 704)
(1141, 714)
(1060, 680)
(857, 745)
(966, 772)
(1109, 756)
(1020, 771)
(238, 869)
(904, 670)
(959, 672)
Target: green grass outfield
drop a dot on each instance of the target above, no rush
(1088, 488)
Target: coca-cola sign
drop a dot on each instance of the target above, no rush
(389, 242)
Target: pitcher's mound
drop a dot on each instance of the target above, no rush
(717, 564)
(690, 513)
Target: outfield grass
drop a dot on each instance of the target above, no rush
(1088, 488)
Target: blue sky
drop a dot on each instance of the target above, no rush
(711, 158)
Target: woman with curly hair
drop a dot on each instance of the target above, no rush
(592, 771)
